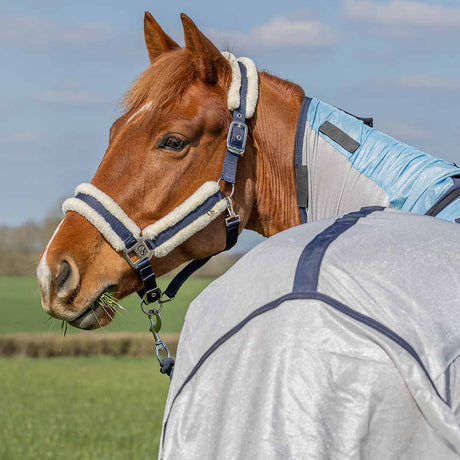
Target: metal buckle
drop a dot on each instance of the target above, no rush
(155, 292)
(232, 215)
(139, 250)
(241, 139)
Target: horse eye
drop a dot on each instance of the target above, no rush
(172, 143)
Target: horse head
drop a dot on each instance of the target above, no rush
(169, 141)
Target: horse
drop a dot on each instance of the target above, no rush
(184, 117)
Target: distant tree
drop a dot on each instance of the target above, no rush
(20, 247)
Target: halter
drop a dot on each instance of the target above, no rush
(196, 212)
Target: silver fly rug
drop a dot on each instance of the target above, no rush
(337, 339)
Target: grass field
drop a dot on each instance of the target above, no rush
(21, 311)
(81, 408)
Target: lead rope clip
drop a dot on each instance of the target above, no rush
(161, 349)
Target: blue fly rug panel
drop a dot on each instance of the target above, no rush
(351, 165)
(334, 340)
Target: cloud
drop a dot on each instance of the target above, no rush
(69, 97)
(69, 93)
(404, 131)
(282, 32)
(402, 12)
(21, 137)
(410, 85)
(427, 82)
(40, 32)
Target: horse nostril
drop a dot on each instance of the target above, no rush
(64, 273)
(67, 280)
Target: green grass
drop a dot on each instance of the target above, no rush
(81, 408)
(21, 311)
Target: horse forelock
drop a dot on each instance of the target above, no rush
(161, 84)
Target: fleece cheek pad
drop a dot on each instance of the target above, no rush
(195, 213)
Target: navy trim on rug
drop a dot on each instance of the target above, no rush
(302, 186)
(300, 133)
(308, 267)
(313, 295)
(305, 287)
(446, 199)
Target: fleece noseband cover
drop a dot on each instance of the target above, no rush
(195, 213)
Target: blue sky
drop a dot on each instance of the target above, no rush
(65, 66)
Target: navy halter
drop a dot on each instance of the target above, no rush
(138, 250)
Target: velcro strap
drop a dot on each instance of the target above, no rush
(339, 136)
(301, 179)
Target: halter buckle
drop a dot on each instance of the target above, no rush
(237, 137)
(231, 214)
(137, 252)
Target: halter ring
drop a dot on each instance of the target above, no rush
(137, 252)
(233, 187)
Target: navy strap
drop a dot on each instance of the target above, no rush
(238, 132)
(150, 292)
(232, 228)
(183, 276)
(301, 170)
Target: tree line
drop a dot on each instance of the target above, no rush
(20, 249)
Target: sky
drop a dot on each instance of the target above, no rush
(65, 66)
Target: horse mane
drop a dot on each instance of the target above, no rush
(163, 82)
(293, 89)
(169, 76)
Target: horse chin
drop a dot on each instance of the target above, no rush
(94, 317)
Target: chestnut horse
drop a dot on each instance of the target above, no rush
(172, 138)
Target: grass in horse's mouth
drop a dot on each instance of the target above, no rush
(107, 302)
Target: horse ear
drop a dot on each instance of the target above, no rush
(156, 40)
(208, 60)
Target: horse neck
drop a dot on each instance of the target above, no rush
(273, 133)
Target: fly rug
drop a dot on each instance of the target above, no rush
(333, 340)
(343, 164)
